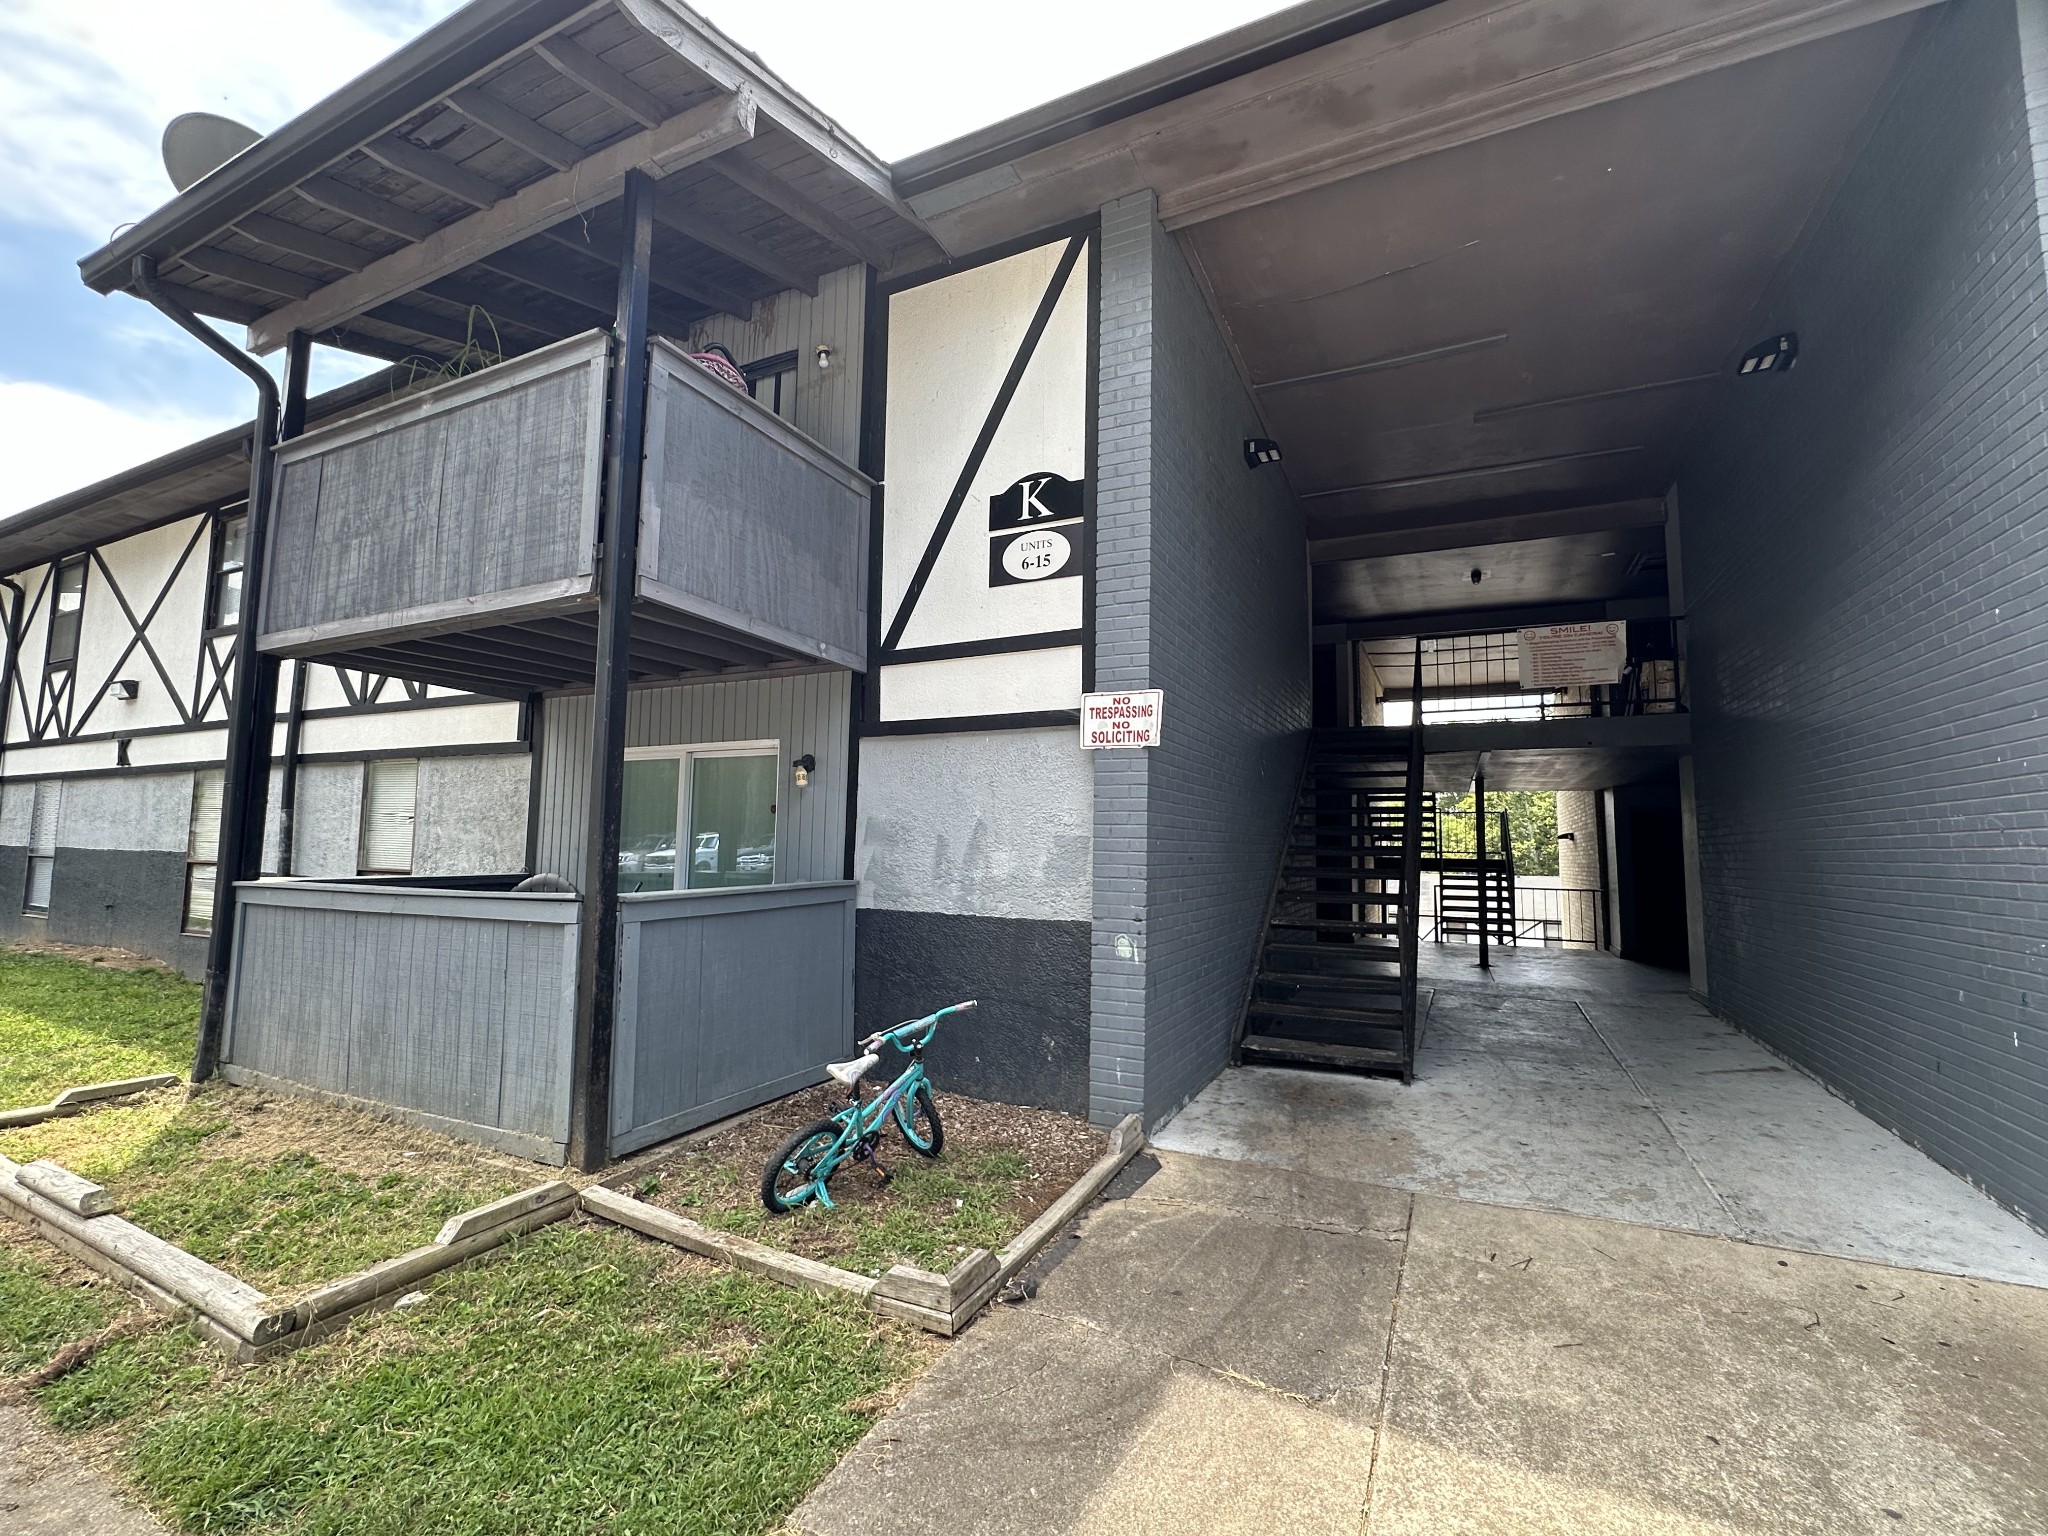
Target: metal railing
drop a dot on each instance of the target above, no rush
(1477, 677)
(1546, 917)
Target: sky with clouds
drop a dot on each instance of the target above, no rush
(91, 385)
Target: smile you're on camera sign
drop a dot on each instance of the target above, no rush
(1122, 719)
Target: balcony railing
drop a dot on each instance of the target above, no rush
(1472, 678)
(451, 536)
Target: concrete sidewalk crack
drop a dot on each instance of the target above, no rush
(1650, 1104)
(1379, 1418)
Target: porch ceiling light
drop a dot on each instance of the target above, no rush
(1776, 355)
(1260, 451)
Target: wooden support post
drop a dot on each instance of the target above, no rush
(597, 969)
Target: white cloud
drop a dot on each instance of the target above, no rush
(55, 440)
(88, 88)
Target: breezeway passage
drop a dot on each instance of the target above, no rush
(1605, 1267)
(1581, 1083)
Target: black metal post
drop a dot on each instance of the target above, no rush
(1479, 844)
(597, 968)
(252, 707)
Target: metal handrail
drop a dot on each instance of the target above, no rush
(1411, 883)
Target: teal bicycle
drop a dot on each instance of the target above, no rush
(798, 1173)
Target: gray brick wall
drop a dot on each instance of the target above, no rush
(1201, 590)
(1865, 549)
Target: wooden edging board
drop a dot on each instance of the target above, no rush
(942, 1303)
(72, 1100)
(239, 1319)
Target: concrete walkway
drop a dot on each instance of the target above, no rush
(1577, 1082)
(1456, 1336)
(45, 1491)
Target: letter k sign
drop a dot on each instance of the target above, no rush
(1038, 497)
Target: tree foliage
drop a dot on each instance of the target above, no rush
(1532, 827)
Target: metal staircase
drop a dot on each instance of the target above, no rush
(1335, 980)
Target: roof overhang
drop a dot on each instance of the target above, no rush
(474, 172)
(208, 473)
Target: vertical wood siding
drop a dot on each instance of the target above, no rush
(806, 712)
(457, 1008)
(827, 400)
(746, 522)
(728, 999)
(486, 485)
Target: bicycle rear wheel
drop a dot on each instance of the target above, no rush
(788, 1180)
(918, 1119)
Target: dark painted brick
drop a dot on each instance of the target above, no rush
(1865, 548)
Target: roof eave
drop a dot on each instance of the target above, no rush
(1269, 40)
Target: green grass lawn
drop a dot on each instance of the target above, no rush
(64, 1024)
(581, 1380)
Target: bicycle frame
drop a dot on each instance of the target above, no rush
(861, 1123)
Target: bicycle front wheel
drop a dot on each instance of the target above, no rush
(791, 1176)
(918, 1119)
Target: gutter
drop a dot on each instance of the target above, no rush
(252, 705)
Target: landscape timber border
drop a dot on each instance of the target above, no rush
(235, 1317)
(944, 1304)
(73, 1101)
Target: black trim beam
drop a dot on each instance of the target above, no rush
(597, 969)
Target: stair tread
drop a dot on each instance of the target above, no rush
(1352, 951)
(1320, 1053)
(1376, 1018)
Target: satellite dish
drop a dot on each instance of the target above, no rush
(196, 144)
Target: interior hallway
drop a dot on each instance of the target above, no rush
(1572, 1081)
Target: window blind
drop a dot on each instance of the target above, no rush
(204, 844)
(390, 788)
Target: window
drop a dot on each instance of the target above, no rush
(202, 850)
(65, 613)
(224, 593)
(42, 846)
(772, 381)
(706, 814)
(390, 788)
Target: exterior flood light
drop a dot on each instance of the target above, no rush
(1777, 355)
(1260, 451)
(123, 688)
(804, 767)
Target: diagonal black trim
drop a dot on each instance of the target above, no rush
(140, 629)
(30, 607)
(1039, 321)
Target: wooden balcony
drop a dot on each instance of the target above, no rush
(451, 536)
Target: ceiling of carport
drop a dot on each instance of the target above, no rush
(1539, 314)
(1520, 241)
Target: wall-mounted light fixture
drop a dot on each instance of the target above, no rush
(1477, 575)
(1567, 837)
(824, 355)
(803, 768)
(1776, 355)
(123, 688)
(1260, 451)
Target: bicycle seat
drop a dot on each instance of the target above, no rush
(851, 1072)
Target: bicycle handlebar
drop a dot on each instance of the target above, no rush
(929, 1024)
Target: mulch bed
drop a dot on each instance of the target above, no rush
(1002, 1166)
